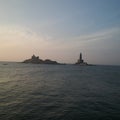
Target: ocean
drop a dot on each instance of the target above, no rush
(59, 92)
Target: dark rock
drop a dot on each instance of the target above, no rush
(36, 60)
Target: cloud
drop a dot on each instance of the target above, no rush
(102, 35)
(86, 40)
(20, 36)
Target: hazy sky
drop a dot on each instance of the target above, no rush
(60, 30)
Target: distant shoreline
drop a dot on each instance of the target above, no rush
(4, 62)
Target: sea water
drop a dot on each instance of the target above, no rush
(59, 92)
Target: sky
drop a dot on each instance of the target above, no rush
(60, 30)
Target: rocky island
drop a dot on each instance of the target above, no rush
(35, 60)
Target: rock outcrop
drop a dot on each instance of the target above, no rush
(35, 60)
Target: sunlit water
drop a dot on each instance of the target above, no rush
(59, 92)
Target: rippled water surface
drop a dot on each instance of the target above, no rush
(59, 92)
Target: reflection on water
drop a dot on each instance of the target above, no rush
(59, 92)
